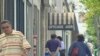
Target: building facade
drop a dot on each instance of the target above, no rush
(62, 11)
(31, 17)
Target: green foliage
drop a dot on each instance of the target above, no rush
(90, 28)
(93, 7)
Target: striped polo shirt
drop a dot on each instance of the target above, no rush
(13, 44)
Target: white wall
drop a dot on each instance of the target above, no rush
(37, 3)
(59, 6)
(29, 27)
(58, 32)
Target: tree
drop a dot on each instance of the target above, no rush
(93, 8)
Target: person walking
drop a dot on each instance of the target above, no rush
(79, 48)
(62, 49)
(91, 46)
(53, 46)
(12, 42)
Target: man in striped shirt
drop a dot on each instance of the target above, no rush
(12, 42)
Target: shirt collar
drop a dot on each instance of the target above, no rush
(3, 34)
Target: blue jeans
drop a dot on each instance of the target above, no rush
(62, 52)
(47, 54)
(52, 53)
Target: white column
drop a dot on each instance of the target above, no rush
(64, 18)
(15, 15)
(50, 18)
(3, 8)
(60, 18)
(39, 52)
(69, 18)
(55, 18)
(69, 33)
(25, 7)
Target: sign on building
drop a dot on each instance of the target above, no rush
(60, 21)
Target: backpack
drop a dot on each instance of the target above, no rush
(75, 52)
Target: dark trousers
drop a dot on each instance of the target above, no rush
(62, 52)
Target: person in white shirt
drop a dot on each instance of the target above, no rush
(91, 46)
(62, 49)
